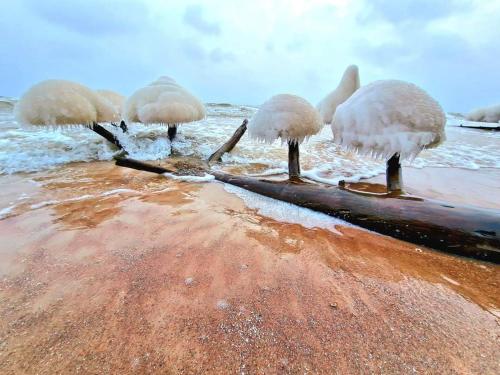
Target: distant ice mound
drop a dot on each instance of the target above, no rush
(347, 86)
(485, 114)
(115, 99)
(59, 102)
(388, 117)
(285, 116)
(163, 102)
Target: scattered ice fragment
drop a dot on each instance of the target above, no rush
(222, 304)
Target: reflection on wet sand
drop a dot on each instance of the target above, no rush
(171, 277)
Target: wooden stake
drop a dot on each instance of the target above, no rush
(293, 160)
(123, 126)
(229, 145)
(172, 132)
(394, 176)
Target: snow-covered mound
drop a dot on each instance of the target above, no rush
(388, 117)
(59, 102)
(485, 114)
(163, 102)
(347, 86)
(287, 117)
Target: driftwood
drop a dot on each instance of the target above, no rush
(106, 134)
(229, 145)
(461, 230)
(393, 174)
(493, 128)
(141, 166)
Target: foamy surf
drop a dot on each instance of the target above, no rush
(321, 159)
(286, 212)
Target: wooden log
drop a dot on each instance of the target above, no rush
(393, 174)
(293, 160)
(461, 230)
(493, 128)
(141, 166)
(172, 132)
(229, 145)
(110, 137)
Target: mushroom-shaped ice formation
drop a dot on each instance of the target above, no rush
(485, 114)
(389, 119)
(59, 102)
(164, 101)
(290, 118)
(347, 86)
(115, 99)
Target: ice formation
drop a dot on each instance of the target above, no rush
(163, 102)
(388, 117)
(347, 86)
(59, 102)
(287, 117)
(116, 100)
(485, 114)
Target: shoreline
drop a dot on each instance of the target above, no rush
(147, 274)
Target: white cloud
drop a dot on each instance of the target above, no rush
(246, 52)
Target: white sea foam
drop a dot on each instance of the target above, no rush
(205, 178)
(30, 150)
(4, 212)
(118, 191)
(53, 202)
(286, 212)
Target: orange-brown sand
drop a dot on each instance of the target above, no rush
(172, 277)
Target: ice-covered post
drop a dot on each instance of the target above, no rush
(392, 120)
(346, 87)
(164, 101)
(289, 118)
(66, 103)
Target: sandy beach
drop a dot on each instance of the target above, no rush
(107, 270)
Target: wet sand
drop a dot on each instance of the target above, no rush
(107, 270)
(460, 186)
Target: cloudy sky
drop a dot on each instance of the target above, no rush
(246, 51)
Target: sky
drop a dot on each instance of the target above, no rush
(247, 51)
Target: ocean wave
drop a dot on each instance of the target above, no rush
(37, 148)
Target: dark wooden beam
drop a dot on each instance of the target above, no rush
(229, 145)
(110, 137)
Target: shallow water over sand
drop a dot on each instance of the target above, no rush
(108, 270)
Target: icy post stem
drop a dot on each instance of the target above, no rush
(172, 131)
(394, 176)
(293, 160)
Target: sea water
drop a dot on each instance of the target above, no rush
(36, 148)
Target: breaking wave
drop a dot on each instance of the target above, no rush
(33, 149)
